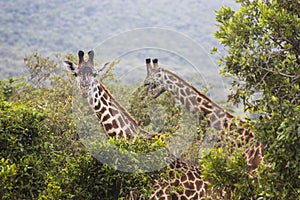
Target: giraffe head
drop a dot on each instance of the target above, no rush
(155, 79)
(85, 72)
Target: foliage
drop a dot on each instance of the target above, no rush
(263, 43)
(159, 114)
(180, 130)
(230, 180)
(41, 154)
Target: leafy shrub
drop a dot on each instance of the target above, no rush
(262, 39)
(41, 154)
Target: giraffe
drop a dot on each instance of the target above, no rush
(118, 123)
(159, 80)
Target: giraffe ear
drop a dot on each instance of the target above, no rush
(102, 69)
(71, 67)
(107, 66)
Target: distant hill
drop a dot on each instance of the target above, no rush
(182, 39)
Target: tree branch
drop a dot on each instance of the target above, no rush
(278, 73)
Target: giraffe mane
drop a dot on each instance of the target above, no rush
(196, 90)
(118, 104)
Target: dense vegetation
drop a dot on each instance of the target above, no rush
(263, 43)
(41, 156)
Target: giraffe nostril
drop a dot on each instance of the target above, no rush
(85, 95)
(85, 84)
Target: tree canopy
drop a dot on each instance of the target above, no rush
(262, 39)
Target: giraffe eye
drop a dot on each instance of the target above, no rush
(154, 85)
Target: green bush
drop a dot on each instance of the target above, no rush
(262, 41)
(41, 156)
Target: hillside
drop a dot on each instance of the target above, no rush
(109, 27)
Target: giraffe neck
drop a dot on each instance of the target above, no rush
(115, 120)
(219, 119)
(194, 101)
(111, 115)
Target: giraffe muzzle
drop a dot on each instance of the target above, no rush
(84, 94)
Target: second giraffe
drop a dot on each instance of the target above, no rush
(159, 80)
